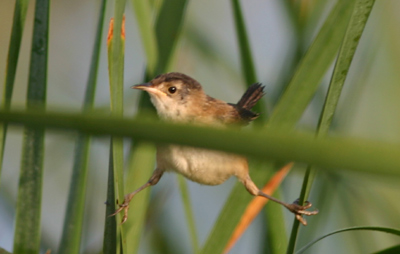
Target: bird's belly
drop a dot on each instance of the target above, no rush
(200, 165)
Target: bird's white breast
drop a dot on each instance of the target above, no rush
(200, 165)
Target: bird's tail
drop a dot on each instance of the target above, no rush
(251, 96)
(248, 100)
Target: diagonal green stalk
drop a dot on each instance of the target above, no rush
(12, 62)
(116, 45)
(27, 226)
(73, 222)
(357, 22)
(312, 68)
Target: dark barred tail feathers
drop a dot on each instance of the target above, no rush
(253, 94)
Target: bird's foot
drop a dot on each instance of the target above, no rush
(125, 207)
(300, 210)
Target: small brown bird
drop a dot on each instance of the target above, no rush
(179, 98)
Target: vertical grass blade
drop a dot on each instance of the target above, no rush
(312, 68)
(27, 226)
(12, 62)
(73, 223)
(141, 166)
(355, 28)
(21, 7)
(116, 45)
(110, 243)
(189, 213)
(144, 18)
(168, 27)
(247, 62)
(246, 58)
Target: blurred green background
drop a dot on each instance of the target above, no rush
(208, 51)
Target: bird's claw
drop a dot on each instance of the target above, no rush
(124, 206)
(300, 210)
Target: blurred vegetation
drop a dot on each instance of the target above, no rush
(291, 46)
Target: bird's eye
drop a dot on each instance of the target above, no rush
(172, 89)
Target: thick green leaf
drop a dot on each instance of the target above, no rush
(377, 229)
(359, 17)
(27, 226)
(72, 229)
(12, 61)
(329, 152)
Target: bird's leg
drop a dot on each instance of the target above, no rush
(128, 197)
(295, 208)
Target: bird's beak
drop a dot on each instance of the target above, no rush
(141, 86)
(148, 87)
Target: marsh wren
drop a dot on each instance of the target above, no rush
(179, 98)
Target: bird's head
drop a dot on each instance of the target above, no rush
(173, 94)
